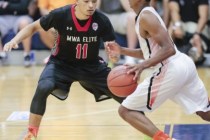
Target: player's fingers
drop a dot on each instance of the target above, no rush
(131, 70)
(6, 48)
(10, 48)
(136, 75)
(15, 46)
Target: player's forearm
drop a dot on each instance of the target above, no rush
(160, 56)
(24, 33)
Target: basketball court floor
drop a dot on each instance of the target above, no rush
(80, 117)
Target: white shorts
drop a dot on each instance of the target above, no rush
(11, 22)
(176, 80)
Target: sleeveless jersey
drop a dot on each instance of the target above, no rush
(76, 42)
(149, 46)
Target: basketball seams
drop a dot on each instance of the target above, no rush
(111, 81)
(120, 83)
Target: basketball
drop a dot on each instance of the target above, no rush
(120, 83)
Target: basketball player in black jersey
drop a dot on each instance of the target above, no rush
(74, 56)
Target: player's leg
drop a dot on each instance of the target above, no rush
(195, 100)
(194, 103)
(38, 105)
(204, 115)
(142, 123)
(143, 100)
(163, 84)
(45, 86)
(193, 96)
(54, 80)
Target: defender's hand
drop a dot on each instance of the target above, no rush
(8, 46)
(113, 51)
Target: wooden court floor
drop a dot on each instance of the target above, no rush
(79, 117)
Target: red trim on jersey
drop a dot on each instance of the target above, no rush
(76, 23)
(156, 83)
(57, 46)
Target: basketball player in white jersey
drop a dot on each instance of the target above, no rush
(174, 77)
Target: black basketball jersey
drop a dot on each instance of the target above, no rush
(76, 42)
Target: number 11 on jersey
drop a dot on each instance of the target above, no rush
(81, 51)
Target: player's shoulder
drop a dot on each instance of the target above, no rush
(60, 13)
(148, 12)
(61, 10)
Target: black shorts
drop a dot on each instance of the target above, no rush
(92, 77)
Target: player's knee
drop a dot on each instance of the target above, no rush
(123, 112)
(126, 113)
(44, 88)
(204, 115)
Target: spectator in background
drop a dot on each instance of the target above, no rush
(189, 19)
(123, 20)
(45, 6)
(33, 10)
(14, 16)
(162, 8)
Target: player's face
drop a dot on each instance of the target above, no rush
(87, 7)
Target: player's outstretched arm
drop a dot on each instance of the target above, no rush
(24, 33)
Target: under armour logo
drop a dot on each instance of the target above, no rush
(68, 28)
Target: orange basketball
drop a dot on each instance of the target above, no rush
(120, 83)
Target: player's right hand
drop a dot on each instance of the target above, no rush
(8, 46)
(113, 51)
(136, 68)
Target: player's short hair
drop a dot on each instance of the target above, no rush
(147, 0)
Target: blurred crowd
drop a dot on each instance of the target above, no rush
(188, 22)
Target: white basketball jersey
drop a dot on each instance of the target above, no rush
(149, 46)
